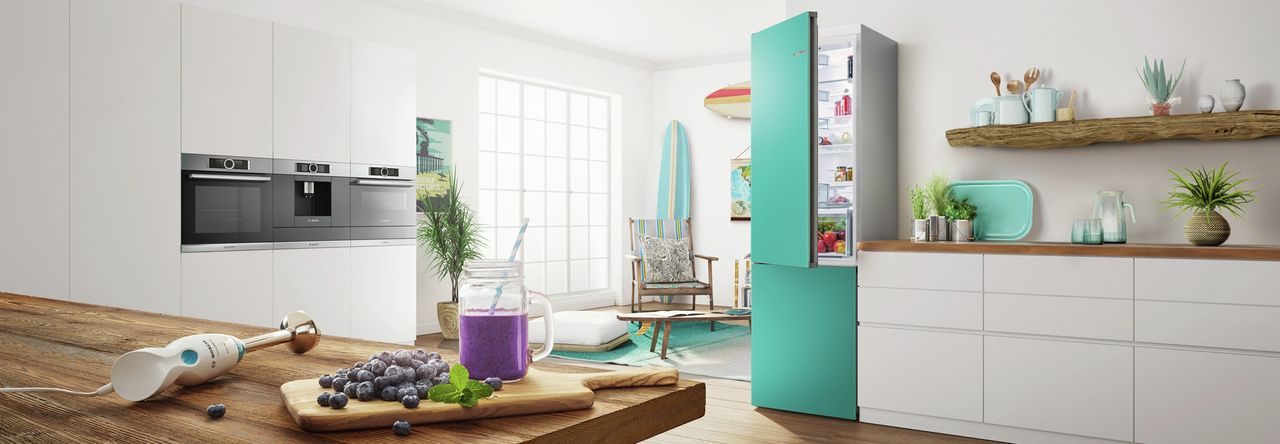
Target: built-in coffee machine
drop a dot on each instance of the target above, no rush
(312, 202)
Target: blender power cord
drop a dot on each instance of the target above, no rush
(99, 392)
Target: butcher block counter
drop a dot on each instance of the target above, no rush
(55, 343)
(1178, 251)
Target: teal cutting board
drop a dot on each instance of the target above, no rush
(1004, 207)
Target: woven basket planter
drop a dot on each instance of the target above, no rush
(1208, 231)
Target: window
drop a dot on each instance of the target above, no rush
(544, 154)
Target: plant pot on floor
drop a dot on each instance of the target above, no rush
(447, 315)
(1208, 231)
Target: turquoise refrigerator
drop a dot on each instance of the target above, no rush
(824, 176)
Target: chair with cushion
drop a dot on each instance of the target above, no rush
(662, 262)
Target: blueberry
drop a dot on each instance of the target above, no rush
(323, 399)
(410, 374)
(385, 357)
(410, 402)
(419, 354)
(341, 372)
(432, 355)
(326, 381)
(403, 357)
(365, 376)
(495, 382)
(379, 368)
(338, 400)
(380, 382)
(350, 389)
(442, 378)
(401, 428)
(416, 363)
(423, 388)
(364, 391)
(374, 357)
(216, 410)
(338, 383)
(440, 365)
(425, 372)
(406, 392)
(394, 374)
(359, 365)
(389, 393)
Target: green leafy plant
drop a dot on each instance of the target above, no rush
(937, 193)
(461, 389)
(1158, 85)
(962, 209)
(919, 209)
(1205, 190)
(448, 229)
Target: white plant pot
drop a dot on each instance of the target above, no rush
(920, 229)
(962, 230)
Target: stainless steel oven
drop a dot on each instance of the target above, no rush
(226, 203)
(382, 202)
(312, 201)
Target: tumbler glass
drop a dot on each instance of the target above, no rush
(1093, 232)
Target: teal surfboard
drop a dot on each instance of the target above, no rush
(673, 174)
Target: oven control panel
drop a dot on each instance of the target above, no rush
(384, 172)
(315, 168)
(228, 164)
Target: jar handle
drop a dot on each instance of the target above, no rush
(548, 320)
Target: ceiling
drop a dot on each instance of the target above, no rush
(661, 32)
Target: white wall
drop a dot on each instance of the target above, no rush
(450, 57)
(713, 140)
(947, 49)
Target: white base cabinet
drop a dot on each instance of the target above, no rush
(316, 281)
(229, 286)
(930, 373)
(384, 300)
(1197, 397)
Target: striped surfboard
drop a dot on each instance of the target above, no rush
(733, 100)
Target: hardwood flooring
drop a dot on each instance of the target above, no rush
(730, 417)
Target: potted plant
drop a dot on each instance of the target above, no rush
(937, 194)
(919, 225)
(1203, 192)
(961, 213)
(449, 231)
(1159, 86)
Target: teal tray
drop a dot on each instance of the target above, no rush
(1004, 207)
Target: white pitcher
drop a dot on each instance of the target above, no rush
(1042, 102)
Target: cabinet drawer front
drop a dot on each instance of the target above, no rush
(1065, 387)
(926, 308)
(1103, 277)
(1059, 316)
(1233, 282)
(926, 271)
(1208, 325)
(927, 373)
(1197, 397)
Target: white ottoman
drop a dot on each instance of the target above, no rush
(588, 331)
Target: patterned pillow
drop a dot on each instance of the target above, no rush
(666, 260)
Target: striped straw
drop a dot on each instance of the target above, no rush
(515, 249)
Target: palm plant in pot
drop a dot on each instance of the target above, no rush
(1203, 192)
(449, 231)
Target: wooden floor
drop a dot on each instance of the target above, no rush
(731, 418)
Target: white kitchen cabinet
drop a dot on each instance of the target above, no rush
(33, 122)
(1094, 318)
(921, 372)
(925, 271)
(1103, 277)
(124, 157)
(1233, 282)
(1059, 386)
(226, 84)
(1208, 325)
(312, 94)
(316, 281)
(229, 286)
(383, 105)
(1198, 397)
(384, 298)
(921, 308)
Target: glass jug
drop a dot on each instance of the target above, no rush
(493, 320)
(1109, 206)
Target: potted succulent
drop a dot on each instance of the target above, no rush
(449, 231)
(961, 213)
(919, 225)
(1204, 192)
(1159, 86)
(937, 194)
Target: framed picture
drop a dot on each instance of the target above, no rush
(435, 152)
(740, 189)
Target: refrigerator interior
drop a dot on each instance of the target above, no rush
(836, 152)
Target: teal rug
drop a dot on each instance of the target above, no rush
(694, 349)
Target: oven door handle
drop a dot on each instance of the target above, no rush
(384, 183)
(232, 177)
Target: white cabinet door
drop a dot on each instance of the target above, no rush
(1059, 316)
(312, 90)
(1198, 397)
(921, 372)
(923, 271)
(33, 123)
(383, 105)
(226, 84)
(1065, 387)
(229, 286)
(1102, 277)
(125, 221)
(317, 281)
(1232, 282)
(922, 308)
(384, 295)
(1208, 325)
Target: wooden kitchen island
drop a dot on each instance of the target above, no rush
(47, 342)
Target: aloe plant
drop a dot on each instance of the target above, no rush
(1206, 190)
(1158, 85)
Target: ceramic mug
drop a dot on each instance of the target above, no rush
(1005, 110)
(1042, 102)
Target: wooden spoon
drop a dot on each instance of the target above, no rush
(1031, 76)
(995, 80)
(1071, 103)
(1015, 87)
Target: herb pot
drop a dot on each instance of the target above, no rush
(1206, 229)
(1161, 109)
(919, 229)
(447, 315)
(962, 230)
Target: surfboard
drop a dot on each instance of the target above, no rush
(733, 100)
(673, 174)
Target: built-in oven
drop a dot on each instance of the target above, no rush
(382, 202)
(312, 201)
(226, 203)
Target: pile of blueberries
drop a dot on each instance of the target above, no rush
(403, 376)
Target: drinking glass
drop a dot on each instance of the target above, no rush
(1078, 227)
(1093, 231)
(493, 323)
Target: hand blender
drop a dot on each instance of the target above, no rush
(192, 360)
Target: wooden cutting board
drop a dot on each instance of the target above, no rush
(538, 392)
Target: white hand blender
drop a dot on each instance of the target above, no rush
(191, 360)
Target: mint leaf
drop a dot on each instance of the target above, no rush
(458, 376)
(468, 401)
(479, 389)
(444, 393)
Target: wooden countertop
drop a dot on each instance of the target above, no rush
(45, 342)
(1180, 251)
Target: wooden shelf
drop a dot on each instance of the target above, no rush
(1240, 125)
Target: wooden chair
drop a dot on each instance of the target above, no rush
(669, 229)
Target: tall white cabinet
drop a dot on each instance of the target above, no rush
(383, 104)
(226, 84)
(383, 297)
(34, 110)
(317, 281)
(312, 91)
(124, 196)
(229, 286)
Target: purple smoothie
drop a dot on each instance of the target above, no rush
(494, 345)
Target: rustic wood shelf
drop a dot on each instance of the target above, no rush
(1240, 125)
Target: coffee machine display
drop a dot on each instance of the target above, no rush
(312, 201)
